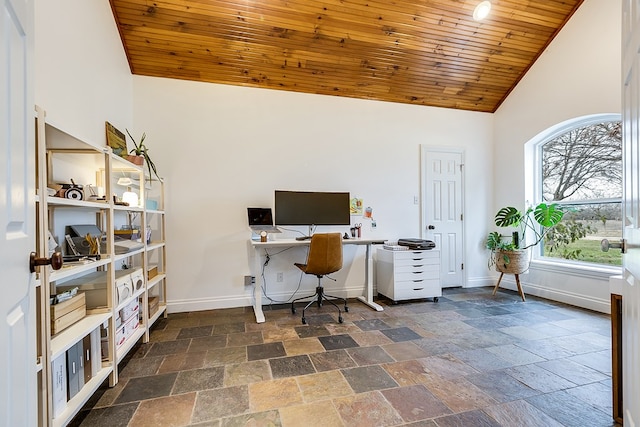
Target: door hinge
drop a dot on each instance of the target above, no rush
(462, 266)
(461, 217)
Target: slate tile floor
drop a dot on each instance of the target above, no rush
(471, 359)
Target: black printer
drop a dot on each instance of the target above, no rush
(417, 244)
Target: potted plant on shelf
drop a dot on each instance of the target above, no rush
(140, 154)
(512, 256)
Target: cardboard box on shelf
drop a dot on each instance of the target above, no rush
(68, 312)
(152, 271)
(130, 234)
(154, 304)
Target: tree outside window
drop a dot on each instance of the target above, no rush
(582, 170)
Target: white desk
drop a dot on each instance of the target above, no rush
(367, 298)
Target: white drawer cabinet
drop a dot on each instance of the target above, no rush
(405, 275)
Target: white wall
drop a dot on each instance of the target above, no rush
(223, 148)
(82, 77)
(578, 74)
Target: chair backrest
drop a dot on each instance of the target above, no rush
(325, 254)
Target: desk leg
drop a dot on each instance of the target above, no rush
(257, 290)
(367, 298)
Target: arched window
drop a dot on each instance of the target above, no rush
(578, 164)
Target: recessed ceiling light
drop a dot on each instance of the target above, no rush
(482, 10)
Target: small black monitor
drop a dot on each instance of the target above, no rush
(260, 216)
(312, 208)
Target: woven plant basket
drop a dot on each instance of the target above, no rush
(512, 262)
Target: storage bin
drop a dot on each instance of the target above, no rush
(68, 312)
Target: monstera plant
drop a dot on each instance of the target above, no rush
(511, 255)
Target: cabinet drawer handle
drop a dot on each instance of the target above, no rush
(418, 289)
(416, 266)
(417, 259)
(417, 272)
(417, 281)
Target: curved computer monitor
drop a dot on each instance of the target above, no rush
(311, 208)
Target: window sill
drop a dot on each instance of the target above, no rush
(575, 268)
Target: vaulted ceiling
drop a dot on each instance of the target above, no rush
(426, 52)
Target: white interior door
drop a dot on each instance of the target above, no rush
(17, 224)
(442, 207)
(631, 165)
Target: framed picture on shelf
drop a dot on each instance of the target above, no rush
(116, 140)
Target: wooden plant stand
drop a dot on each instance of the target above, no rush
(520, 291)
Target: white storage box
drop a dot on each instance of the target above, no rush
(137, 280)
(121, 337)
(129, 310)
(124, 288)
(124, 332)
(131, 325)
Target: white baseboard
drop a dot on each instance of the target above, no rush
(571, 298)
(477, 282)
(508, 282)
(200, 304)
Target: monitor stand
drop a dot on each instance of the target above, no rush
(308, 236)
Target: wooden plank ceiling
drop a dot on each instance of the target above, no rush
(427, 52)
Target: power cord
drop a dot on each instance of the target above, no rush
(275, 301)
(267, 258)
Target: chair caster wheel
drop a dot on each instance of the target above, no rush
(293, 310)
(346, 309)
(304, 321)
(340, 319)
(435, 299)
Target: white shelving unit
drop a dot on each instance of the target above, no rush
(61, 157)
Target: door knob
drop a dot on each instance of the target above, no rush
(431, 227)
(605, 245)
(55, 261)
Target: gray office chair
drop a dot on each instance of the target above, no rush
(325, 257)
